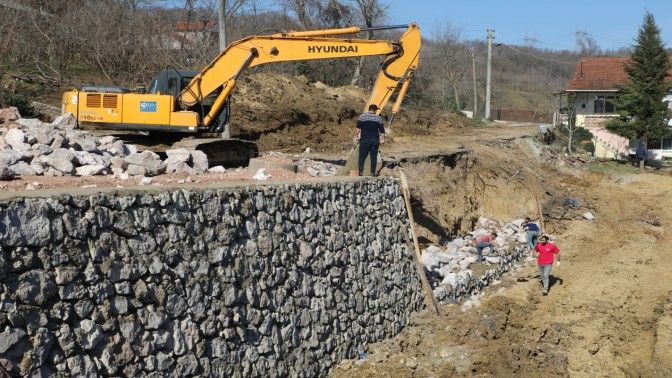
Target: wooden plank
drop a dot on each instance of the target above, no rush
(430, 300)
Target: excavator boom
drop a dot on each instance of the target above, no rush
(400, 63)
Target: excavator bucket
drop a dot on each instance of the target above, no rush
(352, 164)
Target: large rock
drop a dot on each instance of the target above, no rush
(9, 114)
(9, 337)
(6, 174)
(178, 154)
(16, 138)
(36, 287)
(178, 161)
(82, 141)
(89, 334)
(149, 161)
(91, 170)
(22, 168)
(61, 159)
(65, 121)
(199, 161)
(31, 123)
(41, 149)
(9, 157)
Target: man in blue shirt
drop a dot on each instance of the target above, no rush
(371, 134)
(532, 232)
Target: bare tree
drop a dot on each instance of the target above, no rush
(453, 58)
(371, 12)
(305, 11)
(586, 44)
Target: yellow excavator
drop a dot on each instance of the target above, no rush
(197, 102)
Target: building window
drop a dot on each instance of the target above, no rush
(604, 105)
(667, 144)
(664, 144)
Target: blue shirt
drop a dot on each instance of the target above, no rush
(531, 226)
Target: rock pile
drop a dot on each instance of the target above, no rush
(315, 168)
(449, 268)
(31, 147)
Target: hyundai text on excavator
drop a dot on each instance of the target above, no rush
(197, 103)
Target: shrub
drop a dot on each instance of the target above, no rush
(22, 103)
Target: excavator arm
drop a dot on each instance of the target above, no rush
(222, 73)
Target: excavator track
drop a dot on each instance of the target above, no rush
(227, 152)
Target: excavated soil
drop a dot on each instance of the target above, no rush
(609, 310)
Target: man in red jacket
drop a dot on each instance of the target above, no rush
(545, 252)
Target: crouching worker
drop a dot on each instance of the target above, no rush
(532, 232)
(485, 241)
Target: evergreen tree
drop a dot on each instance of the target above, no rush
(643, 114)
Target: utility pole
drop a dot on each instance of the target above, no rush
(221, 18)
(487, 85)
(473, 72)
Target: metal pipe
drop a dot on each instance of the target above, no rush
(384, 27)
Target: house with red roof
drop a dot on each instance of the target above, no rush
(188, 35)
(595, 86)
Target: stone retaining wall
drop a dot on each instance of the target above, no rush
(282, 280)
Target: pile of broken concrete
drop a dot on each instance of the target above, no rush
(31, 147)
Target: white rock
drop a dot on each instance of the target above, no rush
(31, 123)
(179, 154)
(588, 216)
(450, 279)
(492, 259)
(199, 161)
(430, 260)
(217, 169)
(261, 175)
(65, 121)
(91, 170)
(145, 181)
(15, 137)
(313, 172)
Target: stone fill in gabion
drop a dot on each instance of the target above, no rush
(274, 281)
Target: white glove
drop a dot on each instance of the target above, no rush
(557, 264)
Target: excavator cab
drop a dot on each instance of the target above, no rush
(172, 82)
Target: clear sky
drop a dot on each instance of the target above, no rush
(552, 24)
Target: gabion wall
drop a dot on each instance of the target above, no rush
(283, 280)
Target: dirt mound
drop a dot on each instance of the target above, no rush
(288, 114)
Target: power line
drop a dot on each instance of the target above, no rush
(535, 56)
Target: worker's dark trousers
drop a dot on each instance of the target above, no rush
(366, 146)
